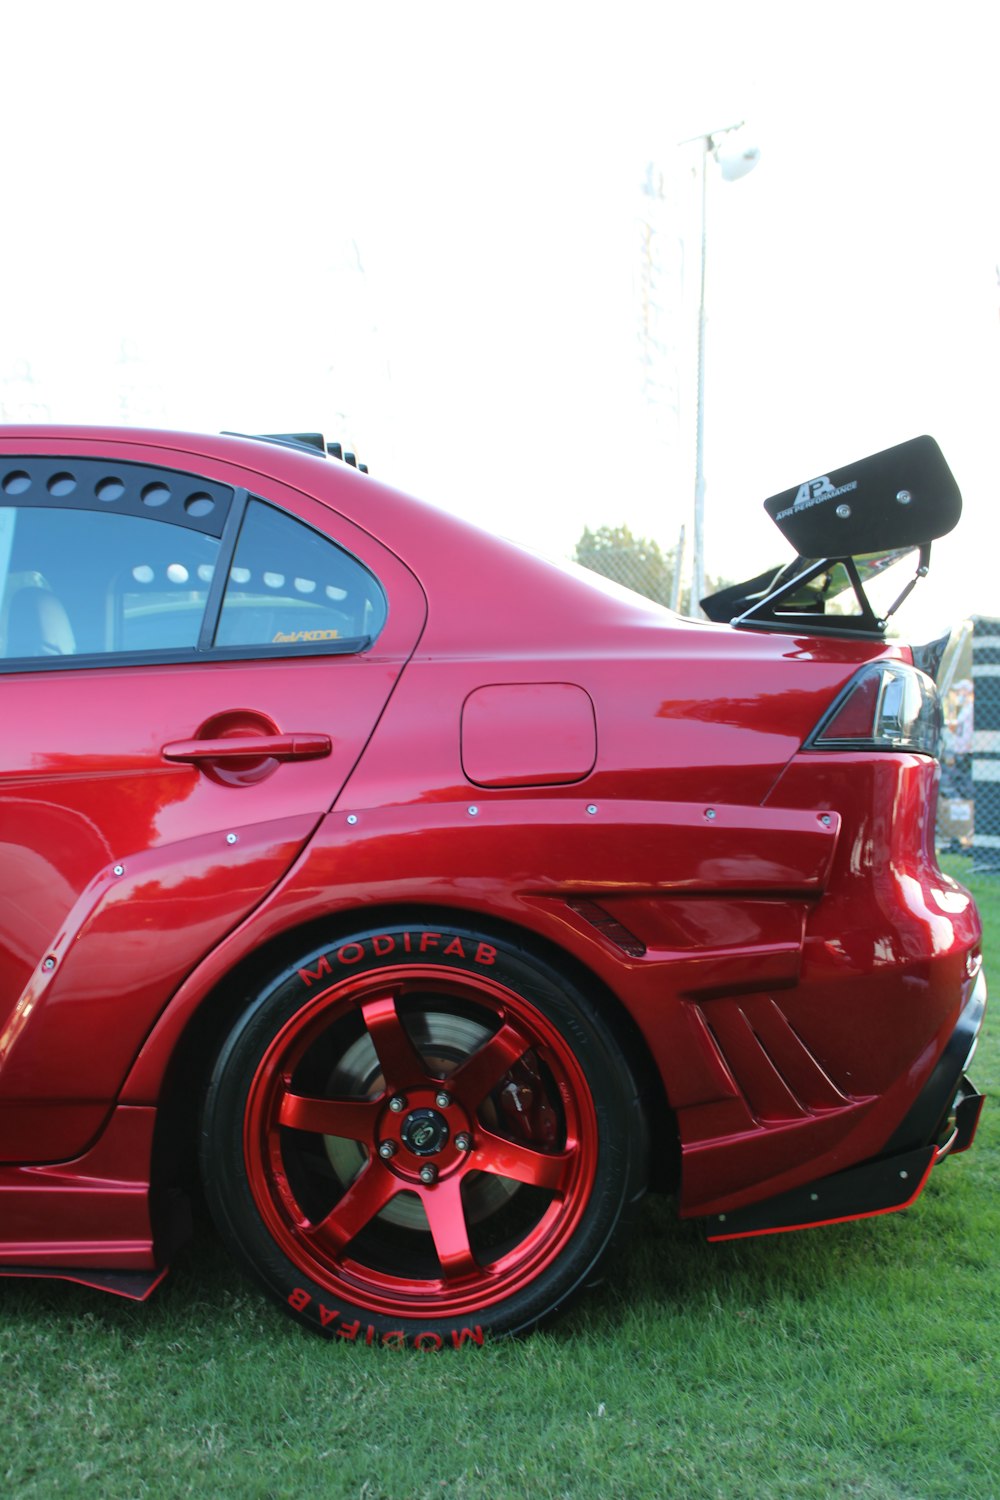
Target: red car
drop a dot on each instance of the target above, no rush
(425, 903)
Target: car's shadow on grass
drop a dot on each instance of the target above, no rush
(665, 1270)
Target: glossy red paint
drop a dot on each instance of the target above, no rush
(97, 970)
(520, 754)
(519, 734)
(94, 1211)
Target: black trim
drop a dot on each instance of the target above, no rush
(135, 1285)
(768, 613)
(965, 1110)
(305, 442)
(220, 578)
(22, 666)
(87, 476)
(927, 1116)
(765, 614)
(877, 1187)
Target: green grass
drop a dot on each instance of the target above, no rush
(860, 1360)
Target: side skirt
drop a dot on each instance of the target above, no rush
(135, 1285)
(92, 1212)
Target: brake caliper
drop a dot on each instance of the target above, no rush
(524, 1103)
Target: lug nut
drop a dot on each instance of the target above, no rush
(443, 1100)
(397, 1104)
(463, 1141)
(428, 1174)
(387, 1150)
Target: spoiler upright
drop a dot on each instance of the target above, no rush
(847, 527)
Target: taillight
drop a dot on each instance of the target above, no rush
(886, 706)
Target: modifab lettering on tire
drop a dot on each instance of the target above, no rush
(420, 1136)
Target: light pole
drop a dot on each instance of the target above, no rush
(732, 165)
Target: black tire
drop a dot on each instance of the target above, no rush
(421, 1136)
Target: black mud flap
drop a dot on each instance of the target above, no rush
(877, 1187)
(963, 1117)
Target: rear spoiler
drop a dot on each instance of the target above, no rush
(847, 527)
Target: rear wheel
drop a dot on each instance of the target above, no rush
(421, 1136)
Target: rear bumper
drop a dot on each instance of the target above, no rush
(942, 1123)
(928, 1119)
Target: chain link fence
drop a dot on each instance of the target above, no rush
(637, 562)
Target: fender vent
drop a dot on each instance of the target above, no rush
(609, 927)
(780, 1078)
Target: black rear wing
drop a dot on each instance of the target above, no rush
(847, 527)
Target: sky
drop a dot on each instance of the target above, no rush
(424, 230)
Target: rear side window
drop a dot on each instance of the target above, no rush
(127, 559)
(79, 582)
(291, 587)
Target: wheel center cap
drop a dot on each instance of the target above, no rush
(424, 1132)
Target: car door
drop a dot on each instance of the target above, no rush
(192, 660)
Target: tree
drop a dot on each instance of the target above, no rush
(635, 561)
(638, 563)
